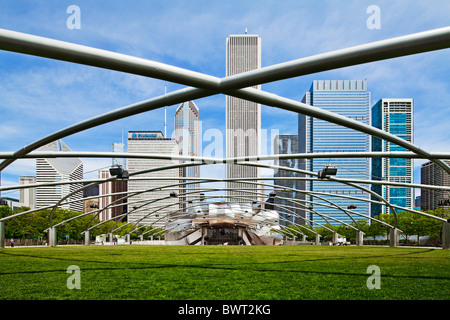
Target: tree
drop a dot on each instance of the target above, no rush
(326, 233)
(5, 211)
(407, 222)
(375, 229)
(432, 227)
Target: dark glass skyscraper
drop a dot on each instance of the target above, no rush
(432, 174)
(396, 117)
(288, 144)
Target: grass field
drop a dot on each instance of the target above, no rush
(224, 273)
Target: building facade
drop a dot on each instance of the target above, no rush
(432, 174)
(242, 117)
(27, 196)
(348, 98)
(187, 135)
(152, 204)
(111, 196)
(91, 200)
(55, 170)
(288, 144)
(396, 117)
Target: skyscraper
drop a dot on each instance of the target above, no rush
(288, 144)
(348, 98)
(59, 169)
(119, 147)
(110, 188)
(152, 142)
(396, 117)
(432, 174)
(27, 196)
(187, 135)
(243, 118)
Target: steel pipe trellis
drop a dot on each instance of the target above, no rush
(386, 49)
(233, 85)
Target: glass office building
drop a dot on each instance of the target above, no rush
(348, 98)
(288, 144)
(188, 137)
(396, 117)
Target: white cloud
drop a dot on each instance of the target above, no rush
(22, 167)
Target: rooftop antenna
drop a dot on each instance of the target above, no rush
(165, 112)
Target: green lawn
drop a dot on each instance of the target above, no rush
(224, 273)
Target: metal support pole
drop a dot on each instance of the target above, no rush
(87, 238)
(393, 237)
(52, 240)
(446, 235)
(2, 234)
(241, 235)
(359, 238)
(110, 237)
(204, 233)
(128, 238)
(303, 238)
(318, 239)
(335, 237)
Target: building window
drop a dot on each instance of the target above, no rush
(397, 171)
(398, 129)
(398, 118)
(398, 162)
(397, 192)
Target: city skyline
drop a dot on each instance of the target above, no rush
(78, 85)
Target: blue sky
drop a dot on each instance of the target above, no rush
(39, 96)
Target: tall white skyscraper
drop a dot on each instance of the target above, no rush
(147, 209)
(187, 135)
(59, 169)
(243, 118)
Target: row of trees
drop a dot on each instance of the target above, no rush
(411, 224)
(32, 225)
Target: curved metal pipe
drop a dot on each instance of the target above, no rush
(400, 46)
